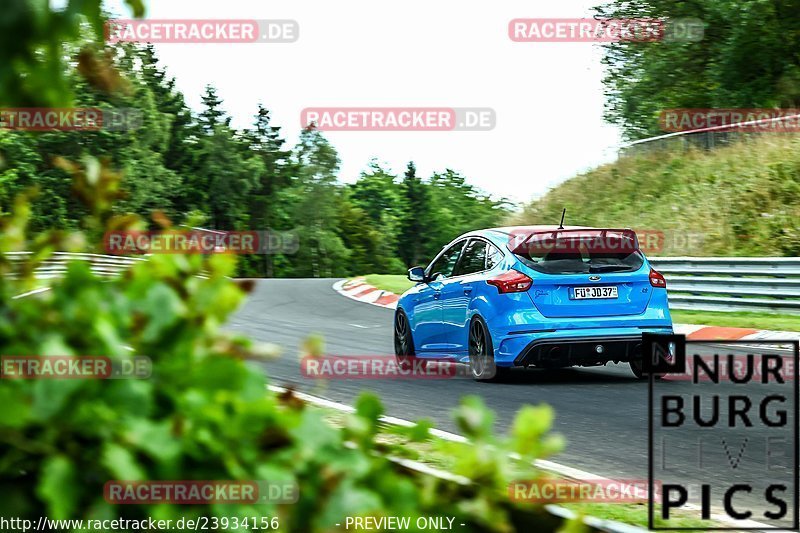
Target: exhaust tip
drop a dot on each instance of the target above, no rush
(553, 353)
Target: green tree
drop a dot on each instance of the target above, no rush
(737, 64)
(212, 115)
(357, 232)
(228, 174)
(315, 198)
(179, 154)
(267, 212)
(458, 207)
(378, 194)
(417, 217)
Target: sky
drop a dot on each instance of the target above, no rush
(548, 97)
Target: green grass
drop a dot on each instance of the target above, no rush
(739, 200)
(636, 514)
(398, 284)
(738, 319)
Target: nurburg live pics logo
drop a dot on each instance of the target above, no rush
(725, 441)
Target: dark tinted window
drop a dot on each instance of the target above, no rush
(446, 262)
(473, 259)
(583, 263)
(493, 256)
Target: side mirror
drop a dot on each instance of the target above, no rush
(416, 274)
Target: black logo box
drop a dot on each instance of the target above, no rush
(675, 363)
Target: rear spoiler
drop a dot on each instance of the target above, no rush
(573, 241)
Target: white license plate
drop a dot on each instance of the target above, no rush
(595, 293)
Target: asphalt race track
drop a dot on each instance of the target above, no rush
(602, 411)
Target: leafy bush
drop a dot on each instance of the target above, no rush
(205, 413)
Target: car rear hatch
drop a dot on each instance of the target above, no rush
(585, 272)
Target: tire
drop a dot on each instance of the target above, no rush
(403, 342)
(482, 366)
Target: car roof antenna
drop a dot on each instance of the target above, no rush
(564, 212)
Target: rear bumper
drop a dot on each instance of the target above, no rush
(582, 351)
(562, 348)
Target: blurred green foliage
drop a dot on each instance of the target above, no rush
(205, 412)
(33, 41)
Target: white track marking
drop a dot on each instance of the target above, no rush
(29, 293)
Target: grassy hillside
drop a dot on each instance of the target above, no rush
(741, 200)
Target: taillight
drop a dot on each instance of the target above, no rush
(657, 280)
(511, 281)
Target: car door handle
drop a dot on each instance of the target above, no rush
(467, 290)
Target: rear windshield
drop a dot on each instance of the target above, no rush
(583, 263)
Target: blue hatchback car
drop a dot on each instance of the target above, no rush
(533, 296)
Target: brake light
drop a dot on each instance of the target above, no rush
(511, 281)
(657, 280)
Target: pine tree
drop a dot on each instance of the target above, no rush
(266, 212)
(212, 115)
(413, 237)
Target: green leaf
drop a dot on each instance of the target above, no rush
(137, 6)
(121, 463)
(369, 407)
(59, 487)
(50, 396)
(313, 433)
(420, 431)
(163, 307)
(153, 438)
(474, 419)
(16, 407)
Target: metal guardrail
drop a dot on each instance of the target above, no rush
(56, 265)
(761, 284)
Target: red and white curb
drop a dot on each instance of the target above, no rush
(358, 289)
(695, 332)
